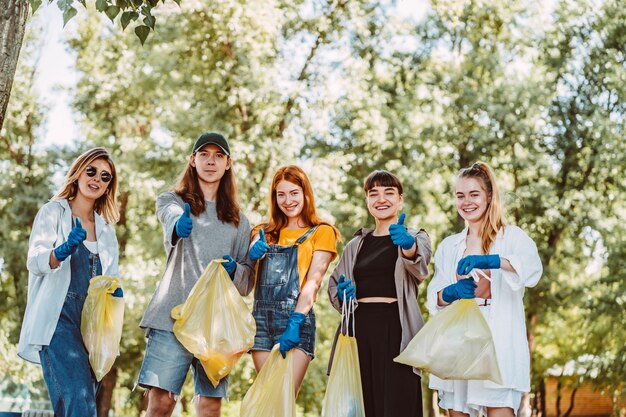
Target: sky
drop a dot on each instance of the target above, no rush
(55, 74)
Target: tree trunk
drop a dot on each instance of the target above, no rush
(558, 397)
(105, 394)
(542, 398)
(571, 403)
(13, 16)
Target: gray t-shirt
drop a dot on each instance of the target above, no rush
(188, 257)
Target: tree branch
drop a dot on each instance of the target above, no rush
(12, 151)
(320, 39)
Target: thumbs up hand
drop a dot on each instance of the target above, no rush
(400, 236)
(260, 247)
(184, 223)
(75, 238)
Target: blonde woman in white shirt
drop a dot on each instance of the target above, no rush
(509, 259)
(72, 241)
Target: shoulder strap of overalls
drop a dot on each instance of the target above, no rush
(306, 235)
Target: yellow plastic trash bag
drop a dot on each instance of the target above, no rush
(273, 392)
(101, 324)
(214, 323)
(344, 394)
(455, 344)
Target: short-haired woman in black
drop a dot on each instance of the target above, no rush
(382, 269)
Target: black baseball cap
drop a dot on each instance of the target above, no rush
(212, 138)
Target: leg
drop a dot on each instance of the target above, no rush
(259, 357)
(367, 329)
(208, 406)
(500, 412)
(163, 371)
(70, 383)
(161, 403)
(400, 387)
(66, 368)
(209, 398)
(454, 413)
(301, 363)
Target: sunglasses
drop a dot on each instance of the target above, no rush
(105, 176)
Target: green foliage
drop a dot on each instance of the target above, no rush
(339, 91)
(343, 89)
(130, 10)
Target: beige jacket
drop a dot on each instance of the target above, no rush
(409, 273)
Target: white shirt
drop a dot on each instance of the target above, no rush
(48, 287)
(507, 319)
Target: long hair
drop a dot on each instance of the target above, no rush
(278, 220)
(106, 205)
(492, 220)
(226, 204)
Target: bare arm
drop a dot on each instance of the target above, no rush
(506, 265)
(319, 265)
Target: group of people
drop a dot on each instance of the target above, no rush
(283, 261)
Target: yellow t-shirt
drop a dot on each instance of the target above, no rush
(323, 238)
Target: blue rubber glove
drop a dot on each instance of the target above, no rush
(477, 261)
(75, 238)
(259, 248)
(400, 236)
(229, 266)
(464, 288)
(184, 223)
(118, 292)
(291, 337)
(343, 285)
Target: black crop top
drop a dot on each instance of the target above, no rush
(375, 266)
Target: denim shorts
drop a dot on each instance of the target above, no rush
(271, 321)
(166, 363)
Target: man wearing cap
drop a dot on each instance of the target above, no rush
(201, 221)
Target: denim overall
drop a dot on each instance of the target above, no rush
(65, 362)
(276, 295)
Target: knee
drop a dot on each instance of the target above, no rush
(209, 407)
(161, 403)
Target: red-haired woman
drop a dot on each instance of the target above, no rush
(293, 249)
(509, 258)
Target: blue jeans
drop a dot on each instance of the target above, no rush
(166, 363)
(271, 321)
(65, 361)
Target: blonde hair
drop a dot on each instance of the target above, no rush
(492, 221)
(106, 205)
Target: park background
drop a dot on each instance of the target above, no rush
(341, 87)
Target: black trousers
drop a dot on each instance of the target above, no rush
(390, 389)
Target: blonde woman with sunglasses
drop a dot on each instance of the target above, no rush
(72, 240)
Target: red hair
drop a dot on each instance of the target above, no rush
(278, 220)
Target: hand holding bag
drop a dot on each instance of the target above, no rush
(455, 344)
